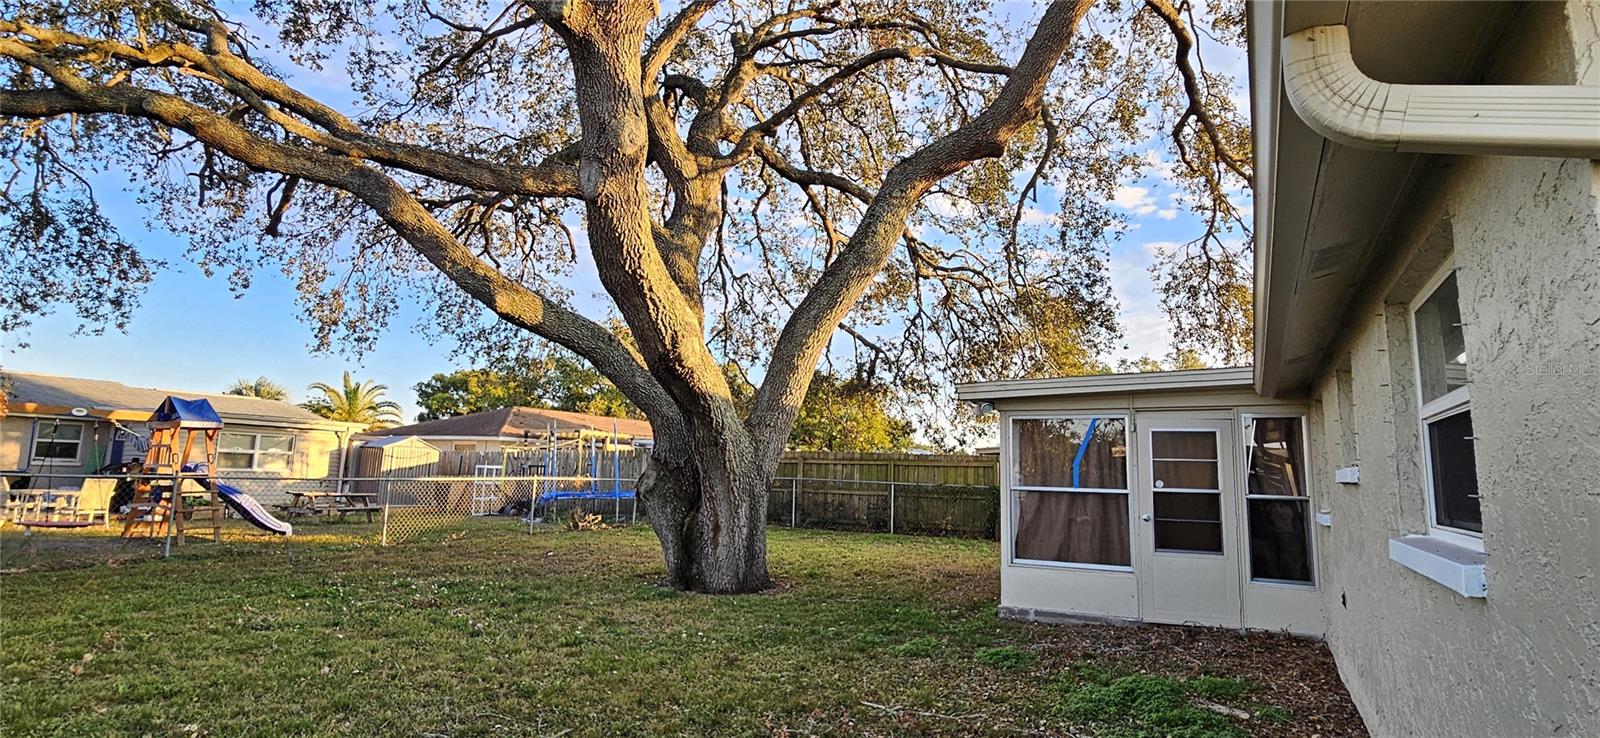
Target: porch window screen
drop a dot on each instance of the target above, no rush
(1188, 492)
(1276, 499)
(1070, 490)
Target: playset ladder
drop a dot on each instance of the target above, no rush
(159, 501)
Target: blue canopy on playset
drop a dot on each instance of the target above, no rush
(176, 412)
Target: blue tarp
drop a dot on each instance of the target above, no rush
(181, 413)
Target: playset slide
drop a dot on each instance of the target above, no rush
(250, 510)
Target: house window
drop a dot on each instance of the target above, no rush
(1278, 505)
(57, 442)
(1069, 485)
(1188, 491)
(255, 451)
(1446, 411)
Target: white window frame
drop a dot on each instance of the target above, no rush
(1454, 402)
(1247, 437)
(255, 451)
(1013, 508)
(39, 436)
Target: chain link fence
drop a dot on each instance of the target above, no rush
(393, 510)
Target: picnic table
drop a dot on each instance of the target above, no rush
(40, 503)
(313, 502)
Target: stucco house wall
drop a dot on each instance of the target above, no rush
(1524, 234)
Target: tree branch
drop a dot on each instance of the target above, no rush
(512, 301)
(1196, 110)
(812, 324)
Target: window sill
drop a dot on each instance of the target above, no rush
(1452, 565)
(1058, 565)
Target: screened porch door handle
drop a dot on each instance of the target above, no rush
(1145, 517)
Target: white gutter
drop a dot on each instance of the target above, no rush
(1337, 100)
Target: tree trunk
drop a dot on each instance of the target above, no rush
(712, 529)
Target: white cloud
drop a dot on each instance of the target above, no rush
(1035, 216)
(1159, 167)
(1136, 199)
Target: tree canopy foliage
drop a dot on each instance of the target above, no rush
(364, 402)
(261, 387)
(559, 381)
(762, 183)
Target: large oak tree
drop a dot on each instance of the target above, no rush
(755, 180)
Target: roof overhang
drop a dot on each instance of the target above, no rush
(129, 415)
(1193, 379)
(1322, 210)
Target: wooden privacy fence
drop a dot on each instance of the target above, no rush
(935, 469)
(919, 494)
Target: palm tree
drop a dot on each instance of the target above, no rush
(355, 402)
(261, 387)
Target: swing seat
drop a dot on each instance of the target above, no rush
(28, 525)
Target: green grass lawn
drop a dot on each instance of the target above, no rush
(485, 630)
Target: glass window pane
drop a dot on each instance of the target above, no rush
(1185, 474)
(1183, 445)
(1188, 506)
(56, 450)
(1087, 453)
(1277, 458)
(273, 461)
(236, 442)
(62, 432)
(227, 460)
(1077, 527)
(1455, 473)
(1174, 535)
(1441, 346)
(1280, 545)
(274, 442)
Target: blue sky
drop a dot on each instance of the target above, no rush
(192, 333)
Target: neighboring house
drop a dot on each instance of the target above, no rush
(522, 428)
(53, 425)
(1409, 469)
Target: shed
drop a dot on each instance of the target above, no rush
(1173, 497)
(395, 457)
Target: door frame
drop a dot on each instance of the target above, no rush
(1152, 566)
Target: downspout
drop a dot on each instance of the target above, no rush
(1337, 100)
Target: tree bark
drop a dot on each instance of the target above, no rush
(712, 529)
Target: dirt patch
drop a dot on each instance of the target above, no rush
(1288, 672)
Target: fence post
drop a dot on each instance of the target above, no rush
(174, 509)
(388, 494)
(794, 502)
(891, 506)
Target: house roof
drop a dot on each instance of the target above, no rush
(49, 394)
(1325, 213)
(1189, 379)
(514, 422)
(388, 441)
